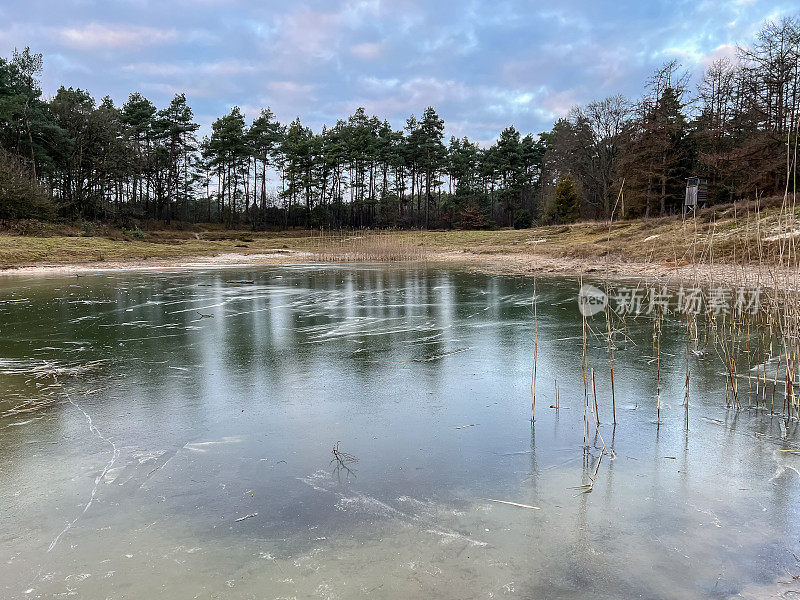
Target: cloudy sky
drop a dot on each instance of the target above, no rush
(483, 65)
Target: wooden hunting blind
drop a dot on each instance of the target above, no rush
(696, 193)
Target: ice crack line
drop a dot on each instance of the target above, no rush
(97, 480)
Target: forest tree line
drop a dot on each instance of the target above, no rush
(71, 157)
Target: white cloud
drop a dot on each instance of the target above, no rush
(290, 88)
(201, 90)
(95, 35)
(366, 50)
(722, 51)
(191, 69)
(304, 37)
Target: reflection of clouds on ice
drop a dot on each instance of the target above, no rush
(205, 446)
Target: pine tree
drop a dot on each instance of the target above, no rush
(432, 151)
(137, 117)
(174, 127)
(566, 202)
(228, 149)
(264, 138)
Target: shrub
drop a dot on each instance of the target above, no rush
(522, 219)
(472, 217)
(21, 196)
(135, 233)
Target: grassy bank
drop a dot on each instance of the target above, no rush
(733, 234)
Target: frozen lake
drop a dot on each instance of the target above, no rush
(169, 434)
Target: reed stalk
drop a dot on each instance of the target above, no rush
(535, 351)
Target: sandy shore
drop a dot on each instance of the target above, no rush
(507, 264)
(159, 264)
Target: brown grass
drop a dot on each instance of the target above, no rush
(726, 234)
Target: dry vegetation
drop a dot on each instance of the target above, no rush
(731, 234)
